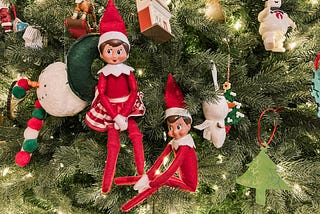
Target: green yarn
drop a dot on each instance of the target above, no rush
(18, 92)
(30, 145)
(39, 113)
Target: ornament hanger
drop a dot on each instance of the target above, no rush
(275, 110)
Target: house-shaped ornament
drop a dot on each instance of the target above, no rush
(154, 16)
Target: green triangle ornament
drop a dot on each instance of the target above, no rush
(262, 175)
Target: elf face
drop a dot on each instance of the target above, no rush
(113, 55)
(178, 129)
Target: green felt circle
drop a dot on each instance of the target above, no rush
(39, 113)
(18, 92)
(30, 145)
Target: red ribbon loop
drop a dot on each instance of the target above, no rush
(275, 110)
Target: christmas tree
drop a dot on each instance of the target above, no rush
(65, 171)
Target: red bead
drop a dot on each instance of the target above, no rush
(23, 83)
(22, 158)
(35, 123)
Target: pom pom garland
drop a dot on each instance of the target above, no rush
(31, 133)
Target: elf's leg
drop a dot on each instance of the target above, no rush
(113, 148)
(138, 199)
(177, 183)
(136, 137)
(126, 180)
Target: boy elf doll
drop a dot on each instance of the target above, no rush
(182, 146)
(117, 98)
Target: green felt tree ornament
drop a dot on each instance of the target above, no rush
(262, 171)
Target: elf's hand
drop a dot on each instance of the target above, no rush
(142, 184)
(121, 122)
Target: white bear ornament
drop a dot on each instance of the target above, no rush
(214, 125)
(274, 24)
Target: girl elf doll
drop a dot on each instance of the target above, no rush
(117, 98)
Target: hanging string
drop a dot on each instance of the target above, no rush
(275, 110)
(229, 61)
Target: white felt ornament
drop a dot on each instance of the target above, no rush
(55, 94)
(274, 24)
(215, 113)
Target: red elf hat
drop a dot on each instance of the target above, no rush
(174, 99)
(112, 25)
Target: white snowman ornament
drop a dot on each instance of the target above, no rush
(274, 24)
(55, 94)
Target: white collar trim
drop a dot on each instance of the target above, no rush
(116, 70)
(184, 141)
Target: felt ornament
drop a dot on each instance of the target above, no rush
(55, 97)
(262, 171)
(315, 90)
(5, 18)
(274, 24)
(80, 57)
(117, 99)
(234, 115)
(154, 20)
(182, 172)
(80, 27)
(215, 112)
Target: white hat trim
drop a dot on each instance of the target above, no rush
(113, 35)
(177, 111)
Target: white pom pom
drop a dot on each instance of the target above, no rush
(30, 133)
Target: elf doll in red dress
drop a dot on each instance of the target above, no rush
(117, 98)
(182, 146)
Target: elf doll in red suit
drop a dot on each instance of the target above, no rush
(182, 145)
(117, 98)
